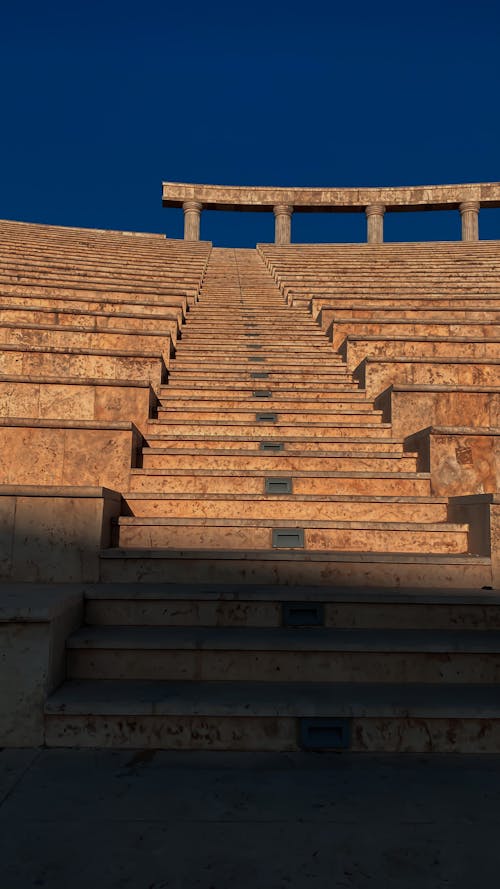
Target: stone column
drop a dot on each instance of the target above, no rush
(192, 214)
(282, 223)
(375, 223)
(469, 211)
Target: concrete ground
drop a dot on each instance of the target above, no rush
(78, 819)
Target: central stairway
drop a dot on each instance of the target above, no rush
(281, 575)
(268, 463)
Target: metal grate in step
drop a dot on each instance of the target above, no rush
(278, 485)
(324, 734)
(287, 538)
(303, 614)
(266, 417)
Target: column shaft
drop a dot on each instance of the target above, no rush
(282, 223)
(375, 223)
(192, 214)
(469, 211)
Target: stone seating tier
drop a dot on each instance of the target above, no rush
(112, 364)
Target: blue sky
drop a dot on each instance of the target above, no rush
(102, 101)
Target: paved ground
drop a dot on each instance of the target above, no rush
(73, 819)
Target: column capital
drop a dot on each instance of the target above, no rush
(192, 205)
(467, 206)
(375, 210)
(283, 209)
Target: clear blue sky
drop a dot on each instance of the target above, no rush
(101, 101)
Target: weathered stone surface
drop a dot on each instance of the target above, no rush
(262, 461)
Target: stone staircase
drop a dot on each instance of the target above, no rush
(282, 575)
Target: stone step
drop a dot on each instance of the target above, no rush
(190, 382)
(286, 414)
(301, 370)
(233, 605)
(290, 568)
(346, 461)
(160, 439)
(279, 429)
(230, 407)
(269, 716)
(242, 334)
(252, 481)
(258, 534)
(244, 395)
(267, 654)
(209, 326)
(303, 507)
(239, 358)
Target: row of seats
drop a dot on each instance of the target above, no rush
(402, 314)
(89, 323)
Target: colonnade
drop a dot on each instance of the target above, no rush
(469, 213)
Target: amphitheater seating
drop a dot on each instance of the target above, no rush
(270, 476)
(422, 319)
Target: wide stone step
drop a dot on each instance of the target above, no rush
(246, 396)
(367, 461)
(185, 382)
(275, 504)
(236, 605)
(230, 407)
(294, 567)
(206, 482)
(277, 428)
(282, 533)
(256, 444)
(268, 716)
(229, 361)
(301, 371)
(286, 655)
(284, 414)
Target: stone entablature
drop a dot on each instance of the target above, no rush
(374, 202)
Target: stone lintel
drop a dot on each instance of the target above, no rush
(331, 200)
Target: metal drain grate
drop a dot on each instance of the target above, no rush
(278, 485)
(287, 538)
(324, 734)
(303, 614)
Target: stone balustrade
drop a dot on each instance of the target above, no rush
(374, 202)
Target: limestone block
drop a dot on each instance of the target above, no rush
(461, 460)
(412, 408)
(35, 621)
(54, 534)
(45, 452)
(375, 374)
(482, 512)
